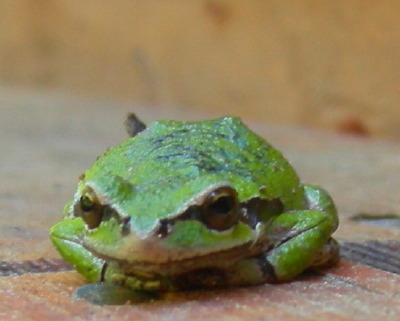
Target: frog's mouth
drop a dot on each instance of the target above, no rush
(189, 245)
(150, 259)
(174, 264)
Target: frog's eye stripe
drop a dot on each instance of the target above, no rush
(258, 210)
(220, 212)
(93, 212)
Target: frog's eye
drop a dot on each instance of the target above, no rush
(90, 208)
(221, 209)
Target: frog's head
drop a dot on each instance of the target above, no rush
(167, 227)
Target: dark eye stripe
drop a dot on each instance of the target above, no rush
(93, 213)
(259, 210)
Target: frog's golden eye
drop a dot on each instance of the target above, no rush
(90, 208)
(221, 209)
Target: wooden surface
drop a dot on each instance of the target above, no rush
(47, 140)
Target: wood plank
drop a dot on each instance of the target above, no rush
(47, 140)
(347, 292)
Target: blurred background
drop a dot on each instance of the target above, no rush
(333, 65)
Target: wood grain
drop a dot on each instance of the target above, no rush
(48, 139)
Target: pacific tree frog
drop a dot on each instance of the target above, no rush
(194, 204)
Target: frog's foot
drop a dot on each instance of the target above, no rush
(305, 244)
(111, 294)
(250, 271)
(328, 256)
(259, 269)
(302, 239)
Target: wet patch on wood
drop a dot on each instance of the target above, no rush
(384, 220)
(14, 268)
(380, 255)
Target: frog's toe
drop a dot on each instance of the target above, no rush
(106, 293)
(328, 256)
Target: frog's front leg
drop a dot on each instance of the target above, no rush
(302, 239)
(67, 238)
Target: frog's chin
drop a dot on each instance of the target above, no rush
(161, 263)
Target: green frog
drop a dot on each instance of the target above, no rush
(206, 204)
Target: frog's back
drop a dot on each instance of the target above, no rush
(175, 153)
(214, 146)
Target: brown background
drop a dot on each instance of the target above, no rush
(331, 64)
(328, 64)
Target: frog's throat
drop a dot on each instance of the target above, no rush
(218, 259)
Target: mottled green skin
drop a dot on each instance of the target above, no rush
(172, 162)
(159, 173)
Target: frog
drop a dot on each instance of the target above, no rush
(183, 205)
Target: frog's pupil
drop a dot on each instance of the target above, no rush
(222, 205)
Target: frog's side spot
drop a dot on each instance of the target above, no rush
(385, 220)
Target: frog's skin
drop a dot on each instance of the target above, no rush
(195, 204)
